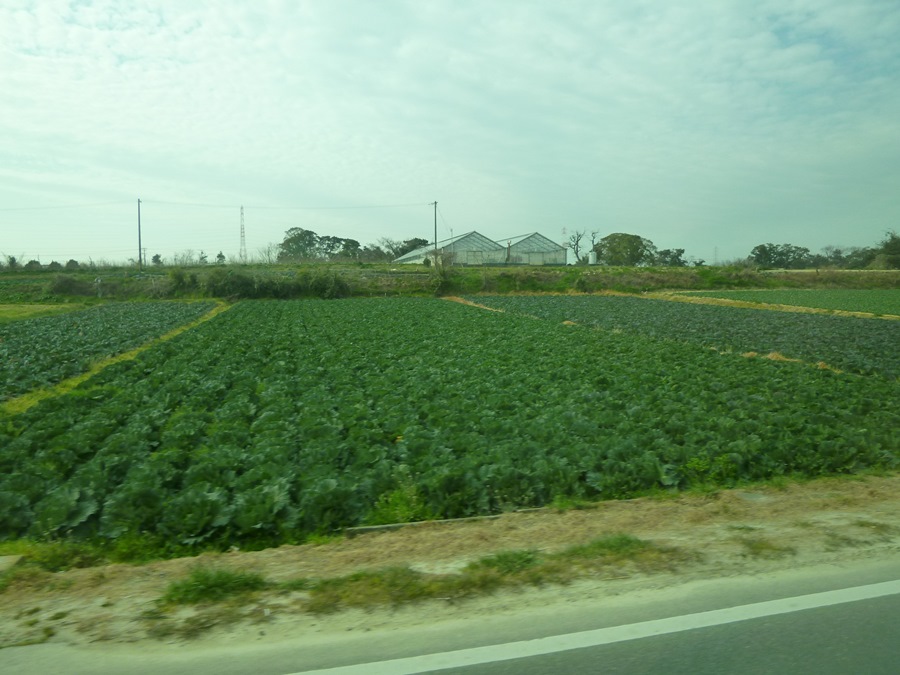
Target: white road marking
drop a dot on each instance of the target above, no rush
(602, 636)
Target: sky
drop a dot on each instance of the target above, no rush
(711, 126)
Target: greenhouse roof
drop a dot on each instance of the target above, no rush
(533, 242)
(470, 241)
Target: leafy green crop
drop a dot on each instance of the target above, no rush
(43, 351)
(278, 420)
(874, 301)
(864, 346)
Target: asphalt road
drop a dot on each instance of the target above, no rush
(851, 638)
(822, 620)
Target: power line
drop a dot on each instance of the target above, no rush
(446, 224)
(69, 206)
(217, 206)
(285, 207)
(193, 204)
(327, 208)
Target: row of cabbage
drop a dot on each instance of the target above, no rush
(874, 301)
(43, 351)
(858, 345)
(279, 419)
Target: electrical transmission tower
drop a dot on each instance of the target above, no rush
(243, 252)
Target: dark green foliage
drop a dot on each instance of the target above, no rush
(278, 420)
(182, 282)
(212, 585)
(781, 256)
(42, 351)
(225, 283)
(858, 345)
(875, 301)
(65, 284)
(629, 250)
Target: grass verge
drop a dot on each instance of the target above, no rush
(618, 554)
(206, 584)
(612, 555)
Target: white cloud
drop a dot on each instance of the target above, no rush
(700, 124)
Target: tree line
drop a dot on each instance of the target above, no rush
(300, 245)
(630, 250)
(618, 249)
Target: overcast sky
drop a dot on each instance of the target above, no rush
(708, 125)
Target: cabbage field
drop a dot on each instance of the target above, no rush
(42, 351)
(858, 345)
(874, 301)
(279, 419)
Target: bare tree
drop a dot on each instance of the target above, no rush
(185, 258)
(268, 254)
(574, 243)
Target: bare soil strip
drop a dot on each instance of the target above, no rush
(463, 301)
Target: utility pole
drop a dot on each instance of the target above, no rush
(243, 252)
(435, 234)
(140, 249)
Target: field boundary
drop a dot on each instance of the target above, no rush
(20, 404)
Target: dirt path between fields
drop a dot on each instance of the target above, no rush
(735, 532)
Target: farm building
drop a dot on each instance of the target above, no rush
(476, 249)
(466, 249)
(534, 249)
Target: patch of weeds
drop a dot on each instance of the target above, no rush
(153, 614)
(317, 539)
(402, 505)
(24, 577)
(98, 578)
(563, 504)
(54, 556)
(881, 529)
(301, 584)
(59, 616)
(805, 524)
(742, 528)
(704, 490)
(32, 622)
(780, 483)
(134, 548)
(507, 562)
(389, 586)
(400, 585)
(758, 547)
(835, 541)
(60, 584)
(158, 625)
(205, 584)
(614, 546)
(194, 626)
(28, 612)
